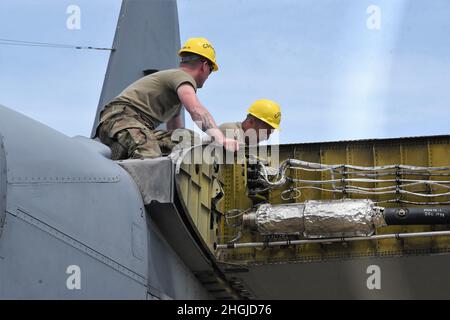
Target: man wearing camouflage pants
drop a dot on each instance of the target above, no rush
(128, 122)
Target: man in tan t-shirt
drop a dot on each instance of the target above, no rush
(263, 117)
(128, 122)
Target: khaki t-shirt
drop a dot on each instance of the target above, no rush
(233, 128)
(155, 95)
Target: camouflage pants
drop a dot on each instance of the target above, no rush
(129, 137)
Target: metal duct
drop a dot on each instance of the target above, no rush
(317, 219)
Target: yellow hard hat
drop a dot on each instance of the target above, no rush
(202, 47)
(266, 110)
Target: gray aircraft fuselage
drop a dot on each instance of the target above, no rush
(72, 222)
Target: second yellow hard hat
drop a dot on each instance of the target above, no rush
(266, 110)
(202, 47)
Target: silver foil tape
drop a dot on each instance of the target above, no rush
(340, 218)
(280, 219)
(319, 219)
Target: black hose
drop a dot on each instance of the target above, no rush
(417, 216)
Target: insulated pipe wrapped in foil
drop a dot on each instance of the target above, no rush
(280, 219)
(341, 218)
(318, 219)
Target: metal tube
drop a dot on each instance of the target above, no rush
(317, 219)
(331, 240)
(417, 216)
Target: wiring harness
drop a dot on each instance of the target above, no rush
(347, 179)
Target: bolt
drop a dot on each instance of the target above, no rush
(402, 212)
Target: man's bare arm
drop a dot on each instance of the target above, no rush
(201, 116)
(198, 112)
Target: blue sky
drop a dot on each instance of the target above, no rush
(333, 76)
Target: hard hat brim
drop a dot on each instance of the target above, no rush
(273, 125)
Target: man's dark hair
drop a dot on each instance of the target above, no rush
(188, 58)
(192, 59)
(250, 117)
